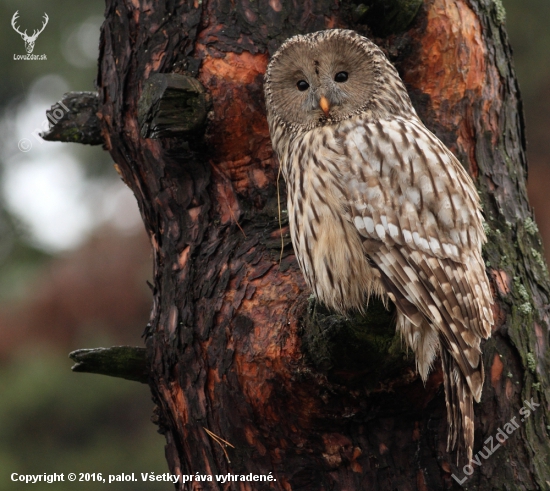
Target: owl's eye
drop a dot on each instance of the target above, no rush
(341, 77)
(302, 85)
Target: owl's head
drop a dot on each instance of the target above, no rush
(328, 76)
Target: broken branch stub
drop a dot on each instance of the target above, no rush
(74, 119)
(172, 105)
(128, 362)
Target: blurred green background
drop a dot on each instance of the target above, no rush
(74, 258)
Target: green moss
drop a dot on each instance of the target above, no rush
(500, 11)
(522, 291)
(531, 362)
(526, 307)
(72, 135)
(531, 226)
(361, 11)
(537, 256)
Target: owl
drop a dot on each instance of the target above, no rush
(378, 205)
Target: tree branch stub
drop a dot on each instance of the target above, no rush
(127, 362)
(172, 105)
(74, 119)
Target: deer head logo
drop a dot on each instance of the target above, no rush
(29, 40)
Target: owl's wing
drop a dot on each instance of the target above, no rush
(418, 212)
(419, 215)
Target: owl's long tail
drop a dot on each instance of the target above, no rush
(460, 406)
(459, 398)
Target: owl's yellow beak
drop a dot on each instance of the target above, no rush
(324, 105)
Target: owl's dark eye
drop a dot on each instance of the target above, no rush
(341, 77)
(302, 85)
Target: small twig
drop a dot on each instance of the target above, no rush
(220, 441)
(213, 435)
(280, 219)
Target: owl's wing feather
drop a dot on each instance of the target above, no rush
(396, 265)
(406, 190)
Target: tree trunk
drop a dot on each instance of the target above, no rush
(237, 351)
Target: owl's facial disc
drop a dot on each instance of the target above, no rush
(321, 78)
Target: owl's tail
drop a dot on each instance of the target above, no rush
(463, 373)
(460, 406)
(459, 398)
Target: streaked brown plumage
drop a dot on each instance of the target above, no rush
(379, 206)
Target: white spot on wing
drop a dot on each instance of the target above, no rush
(380, 231)
(394, 231)
(434, 245)
(359, 223)
(369, 224)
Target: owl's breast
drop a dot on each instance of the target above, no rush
(328, 246)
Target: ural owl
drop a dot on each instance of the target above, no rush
(378, 205)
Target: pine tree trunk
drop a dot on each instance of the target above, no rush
(237, 349)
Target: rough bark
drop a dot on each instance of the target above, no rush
(233, 345)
